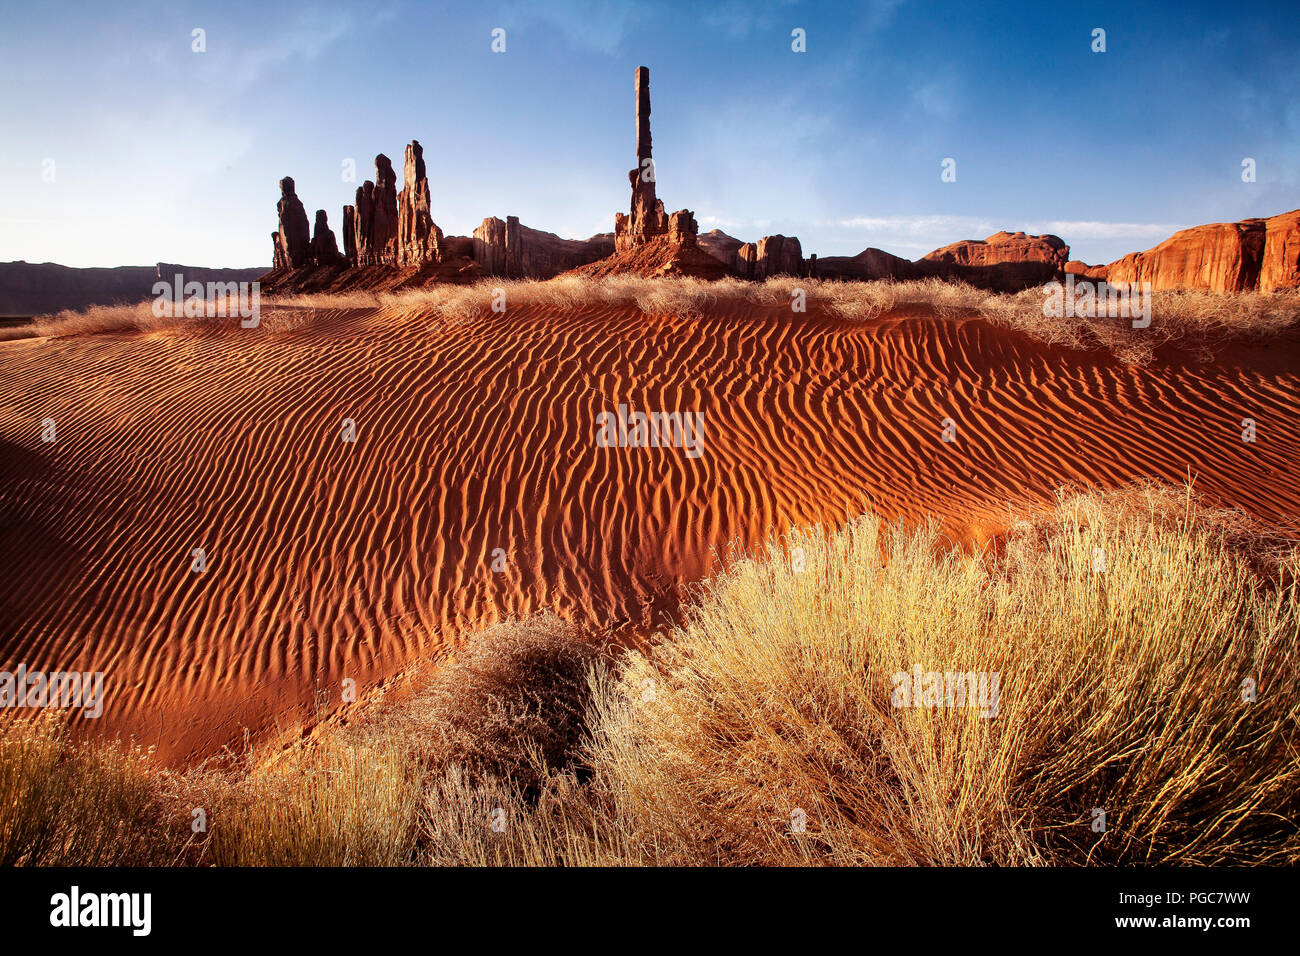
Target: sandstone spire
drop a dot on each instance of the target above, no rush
(647, 210)
(384, 231)
(646, 219)
(324, 247)
(350, 234)
(418, 238)
(643, 143)
(364, 225)
(293, 241)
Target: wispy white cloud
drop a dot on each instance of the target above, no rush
(241, 63)
(599, 25)
(721, 222)
(738, 19)
(937, 97)
(912, 225)
(1090, 229)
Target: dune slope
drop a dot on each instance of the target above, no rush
(329, 559)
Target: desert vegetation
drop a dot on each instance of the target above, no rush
(1196, 320)
(1192, 319)
(1145, 643)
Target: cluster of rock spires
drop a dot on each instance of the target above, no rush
(389, 237)
(391, 240)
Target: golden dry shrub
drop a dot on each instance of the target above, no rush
(65, 802)
(1122, 630)
(510, 705)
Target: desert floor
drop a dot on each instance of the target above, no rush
(329, 560)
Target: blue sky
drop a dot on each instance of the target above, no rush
(160, 153)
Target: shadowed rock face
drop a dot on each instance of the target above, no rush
(867, 264)
(719, 245)
(383, 235)
(514, 250)
(324, 247)
(364, 225)
(293, 241)
(770, 256)
(647, 216)
(349, 234)
(375, 217)
(780, 255)
(1252, 255)
(1005, 261)
(491, 244)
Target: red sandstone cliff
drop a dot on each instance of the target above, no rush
(1260, 255)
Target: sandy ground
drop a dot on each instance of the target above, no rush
(328, 559)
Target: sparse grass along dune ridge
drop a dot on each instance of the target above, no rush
(1193, 319)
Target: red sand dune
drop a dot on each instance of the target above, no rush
(330, 560)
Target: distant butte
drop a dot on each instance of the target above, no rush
(391, 241)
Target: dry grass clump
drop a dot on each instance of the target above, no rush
(492, 823)
(863, 301)
(68, 803)
(498, 727)
(88, 321)
(140, 317)
(1120, 690)
(501, 730)
(511, 705)
(336, 799)
(1194, 320)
